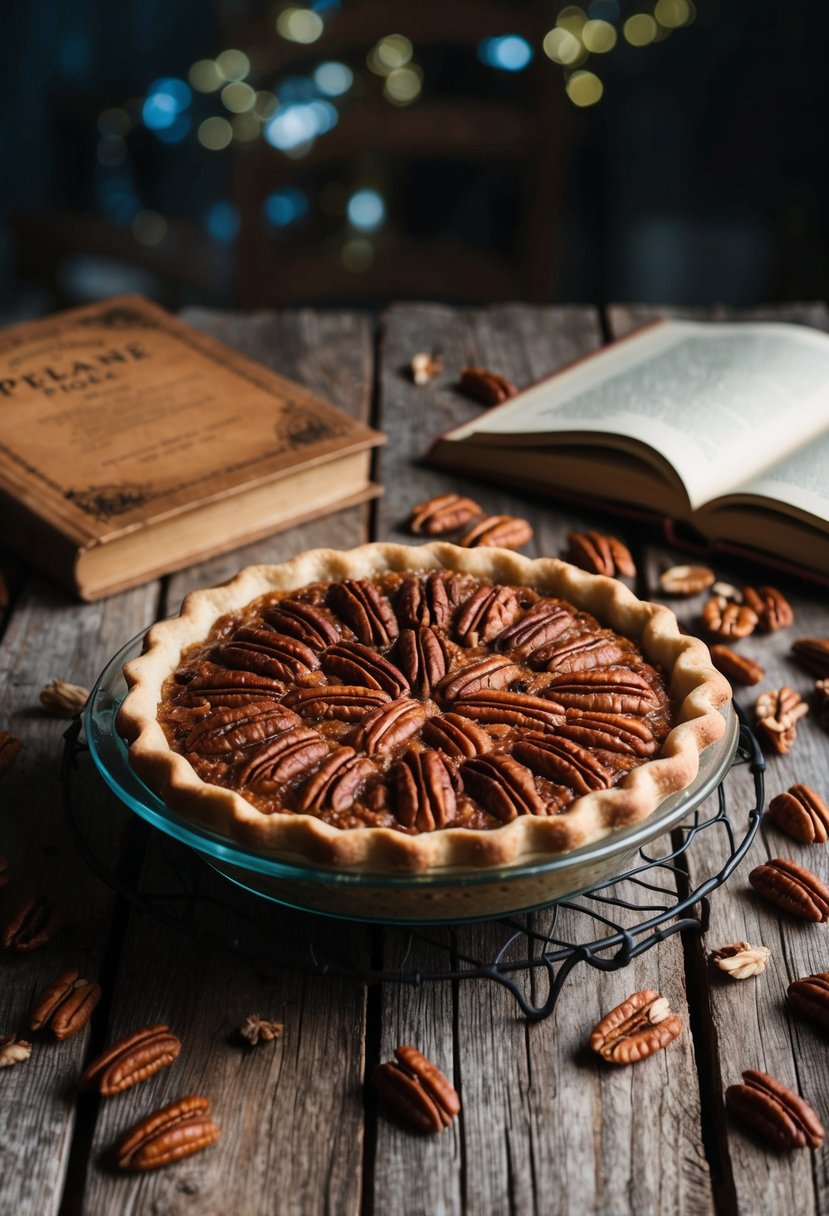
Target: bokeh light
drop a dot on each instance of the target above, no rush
(584, 89)
(246, 127)
(149, 228)
(509, 53)
(366, 210)
(238, 97)
(112, 151)
(563, 47)
(114, 121)
(205, 76)
(233, 65)
(286, 206)
(265, 105)
(215, 134)
(177, 131)
(333, 78)
(672, 14)
(572, 18)
(222, 222)
(640, 29)
(598, 37)
(403, 85)
(393, 51)
(357, 254)
(299, 25)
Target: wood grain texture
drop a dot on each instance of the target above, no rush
(49, 635)
(290, 1111)
(747, 1024)
(532, 1097)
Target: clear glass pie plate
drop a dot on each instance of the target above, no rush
(439, 895)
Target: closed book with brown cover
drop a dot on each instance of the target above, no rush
(131, 445)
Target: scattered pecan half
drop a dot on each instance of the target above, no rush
(490, 388)
(778, 712)
(443, 513)
(501, 531)
(779, 1116)
(425, 367)
(417, 1090)
(685, 580)
(66, 1005)
(792, 888)
(640, 1026)
(726, 619)
(600, 554)
(424, 796)
(132, 1059)
(813, 654)
(365, 609)
(810, 997)
(258, 1030)
(773, 609)
(737, 668)
(10, 747)
(4, 872)
(34, 922)
(741, 960)
(175, 1131)
(802, 814)
(13, 1050)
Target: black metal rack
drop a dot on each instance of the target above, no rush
(611, 924)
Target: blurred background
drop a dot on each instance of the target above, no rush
(252, 154)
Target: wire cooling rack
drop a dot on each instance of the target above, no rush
(531, 955)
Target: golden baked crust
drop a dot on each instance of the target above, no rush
(697, 692)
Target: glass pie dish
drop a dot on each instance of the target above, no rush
(442, 894)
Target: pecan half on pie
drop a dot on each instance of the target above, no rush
(401, 708)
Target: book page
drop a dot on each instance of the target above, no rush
(802, 480)
(717, 401)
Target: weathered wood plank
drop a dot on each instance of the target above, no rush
(291, 1112)
(531, 1100)
(747, 1025)
(49, 635)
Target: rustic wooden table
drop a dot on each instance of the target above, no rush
(544, 1128)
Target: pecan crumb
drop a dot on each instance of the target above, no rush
(256, 1029)
(62, 699)
(13, 1050)
(425, 367)
(740, 960)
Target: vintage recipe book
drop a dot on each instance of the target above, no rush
(132, 444)
(721, 426)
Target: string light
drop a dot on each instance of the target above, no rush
(509, 53)
(640, 29)
(573, 19)
(149, 228)
(222, 222)
(672, 14)
(563, 47)
(233, 65)
(286, 206)
(584, 89)
(238, 97)
(402, 86)
(205, 76)
(333, 79)
(215, 134)
(366, 210)
(246, 127)
(598, 37)
(357, 254)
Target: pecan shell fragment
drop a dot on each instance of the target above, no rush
(740, 960)
(779, 1116)
(175, 1131)
(66, 1005)
(132, 1059)
(417, 1090)
(793, 888)
(802, 814)
(258, 1030)
(640, 1026)
(13, 1050)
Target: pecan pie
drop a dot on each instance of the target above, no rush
(401, 708)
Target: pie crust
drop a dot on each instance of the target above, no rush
(696, 693)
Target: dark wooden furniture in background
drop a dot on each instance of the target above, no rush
(544, 1127)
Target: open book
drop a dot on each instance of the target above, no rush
(722, 426)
